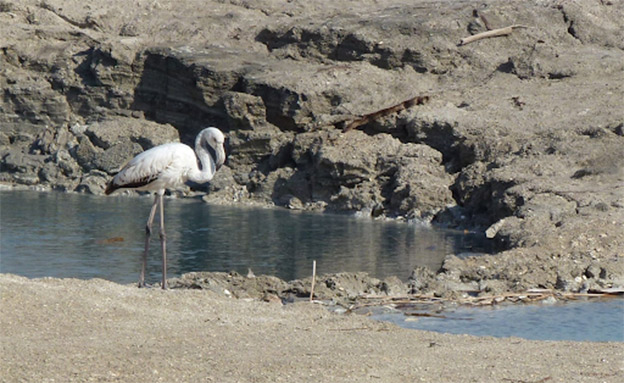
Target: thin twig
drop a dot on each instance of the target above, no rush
(350, 329)
(313, 280)
(491, 33)
(486, 22)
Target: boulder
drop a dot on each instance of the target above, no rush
(112, 131)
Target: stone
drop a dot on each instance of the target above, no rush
(16, 161)
(66, 163)
(86, 153)
(419, 279)
(4, 139)
(116, 156)
(244, 111)
(93, 183)
(108, 132)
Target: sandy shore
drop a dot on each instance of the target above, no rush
(67, 330)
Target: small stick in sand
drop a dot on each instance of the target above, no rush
(485, 21)
(313, 280)
(491, 33)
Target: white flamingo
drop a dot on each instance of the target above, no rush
(169, 166)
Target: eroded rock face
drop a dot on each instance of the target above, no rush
(377, 174)
(522, 134)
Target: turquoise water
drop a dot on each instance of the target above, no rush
(84, 236)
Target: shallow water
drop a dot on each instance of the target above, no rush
(584, 320)
(84, 236)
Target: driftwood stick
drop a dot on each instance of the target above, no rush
(491, 33)
(365, 119)
(313, 280)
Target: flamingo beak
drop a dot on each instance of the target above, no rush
(220, 159)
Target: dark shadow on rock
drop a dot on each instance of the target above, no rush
(169, 93)
(84, 68)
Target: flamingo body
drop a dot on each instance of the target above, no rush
(161, 167)
(170, 166)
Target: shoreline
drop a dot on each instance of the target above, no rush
(74, 330)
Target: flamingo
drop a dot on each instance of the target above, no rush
(169, 166)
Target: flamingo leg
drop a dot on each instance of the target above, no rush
(163, 243)
(148, 233)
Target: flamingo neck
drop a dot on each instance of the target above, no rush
(206, 167)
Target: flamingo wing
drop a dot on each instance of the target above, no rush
(161, 167)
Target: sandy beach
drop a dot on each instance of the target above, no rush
(67, 330)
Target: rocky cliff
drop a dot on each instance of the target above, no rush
(522, 135)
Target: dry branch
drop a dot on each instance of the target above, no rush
(365, 119)
(491, 33)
